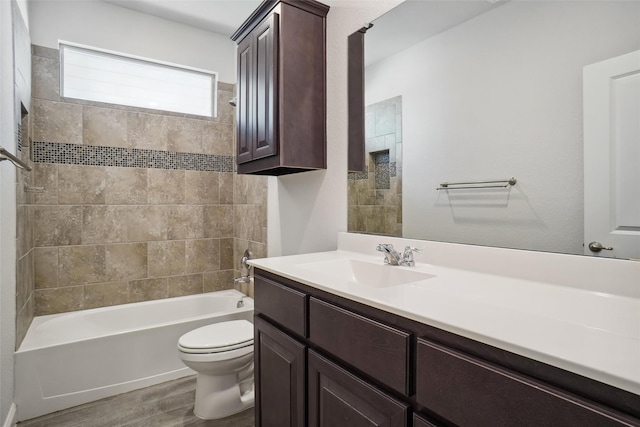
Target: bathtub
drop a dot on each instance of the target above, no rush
(73, 358)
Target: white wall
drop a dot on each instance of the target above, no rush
(20, 84)
(307, 210)
(7, 216)
(107, 26)
(495, 97)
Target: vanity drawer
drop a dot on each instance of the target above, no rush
(378, 350)
(281, 304)
(468, 391)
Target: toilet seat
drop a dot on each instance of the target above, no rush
(217, 338)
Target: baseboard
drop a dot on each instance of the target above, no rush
(12, 418)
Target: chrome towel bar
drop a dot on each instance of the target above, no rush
(501, 183)
(5, 155)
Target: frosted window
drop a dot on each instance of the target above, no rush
(106, 77)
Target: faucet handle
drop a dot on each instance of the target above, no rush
(407, 256)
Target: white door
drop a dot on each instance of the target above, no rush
(612, 157)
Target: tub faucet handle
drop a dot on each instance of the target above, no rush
(244, 262)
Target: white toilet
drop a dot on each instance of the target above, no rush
(222, 355)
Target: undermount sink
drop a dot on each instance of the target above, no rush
(367, 273)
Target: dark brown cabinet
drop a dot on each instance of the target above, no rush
(368, 367)
(377, 350)
(493, 395)
(418, 421)
(280, 385)
(281, 102)
(337, 398)
(285, 306)
(257, 90)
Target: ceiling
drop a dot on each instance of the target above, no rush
(423, 18)
(218, 16)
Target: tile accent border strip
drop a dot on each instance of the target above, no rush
(90, 155)
(355, 176)
(358, 175)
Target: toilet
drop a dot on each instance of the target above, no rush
(222, 355)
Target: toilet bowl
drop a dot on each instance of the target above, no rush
(222, 355)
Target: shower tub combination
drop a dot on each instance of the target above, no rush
(73, 358)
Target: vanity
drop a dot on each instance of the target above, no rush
(342, 339)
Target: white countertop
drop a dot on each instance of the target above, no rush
(579, 329)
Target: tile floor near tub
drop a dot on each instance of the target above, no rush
(168, 404)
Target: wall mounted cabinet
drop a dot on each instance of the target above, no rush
(281, 89)
(348, 364)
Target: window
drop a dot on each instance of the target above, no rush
(97, 75)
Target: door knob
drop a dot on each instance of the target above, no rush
(597, 247)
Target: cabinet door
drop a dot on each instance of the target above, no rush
(279, 377)
(337, 398)
(418, 421)
(266, 110)
(246, 93)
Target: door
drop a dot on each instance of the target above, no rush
(279, 377)
(265, 143)
(257, 110)
(612, 157)
(246, 94)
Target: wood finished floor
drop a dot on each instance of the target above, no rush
(168, 404)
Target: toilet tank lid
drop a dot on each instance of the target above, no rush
(217, 335)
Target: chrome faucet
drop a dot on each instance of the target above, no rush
(241, 280)
(393, 257)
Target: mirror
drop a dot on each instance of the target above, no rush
(468, 91)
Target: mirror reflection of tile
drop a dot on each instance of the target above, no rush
(375, 196)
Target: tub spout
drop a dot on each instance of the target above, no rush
(243, 284)
(241, 280)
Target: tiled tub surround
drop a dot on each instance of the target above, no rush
(24, 238)
(375, 195)
(137, 204)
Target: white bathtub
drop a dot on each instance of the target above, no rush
(73, 358)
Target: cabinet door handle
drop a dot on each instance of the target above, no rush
(597, 247)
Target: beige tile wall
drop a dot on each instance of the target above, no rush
(106, 235)
(24, 240)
